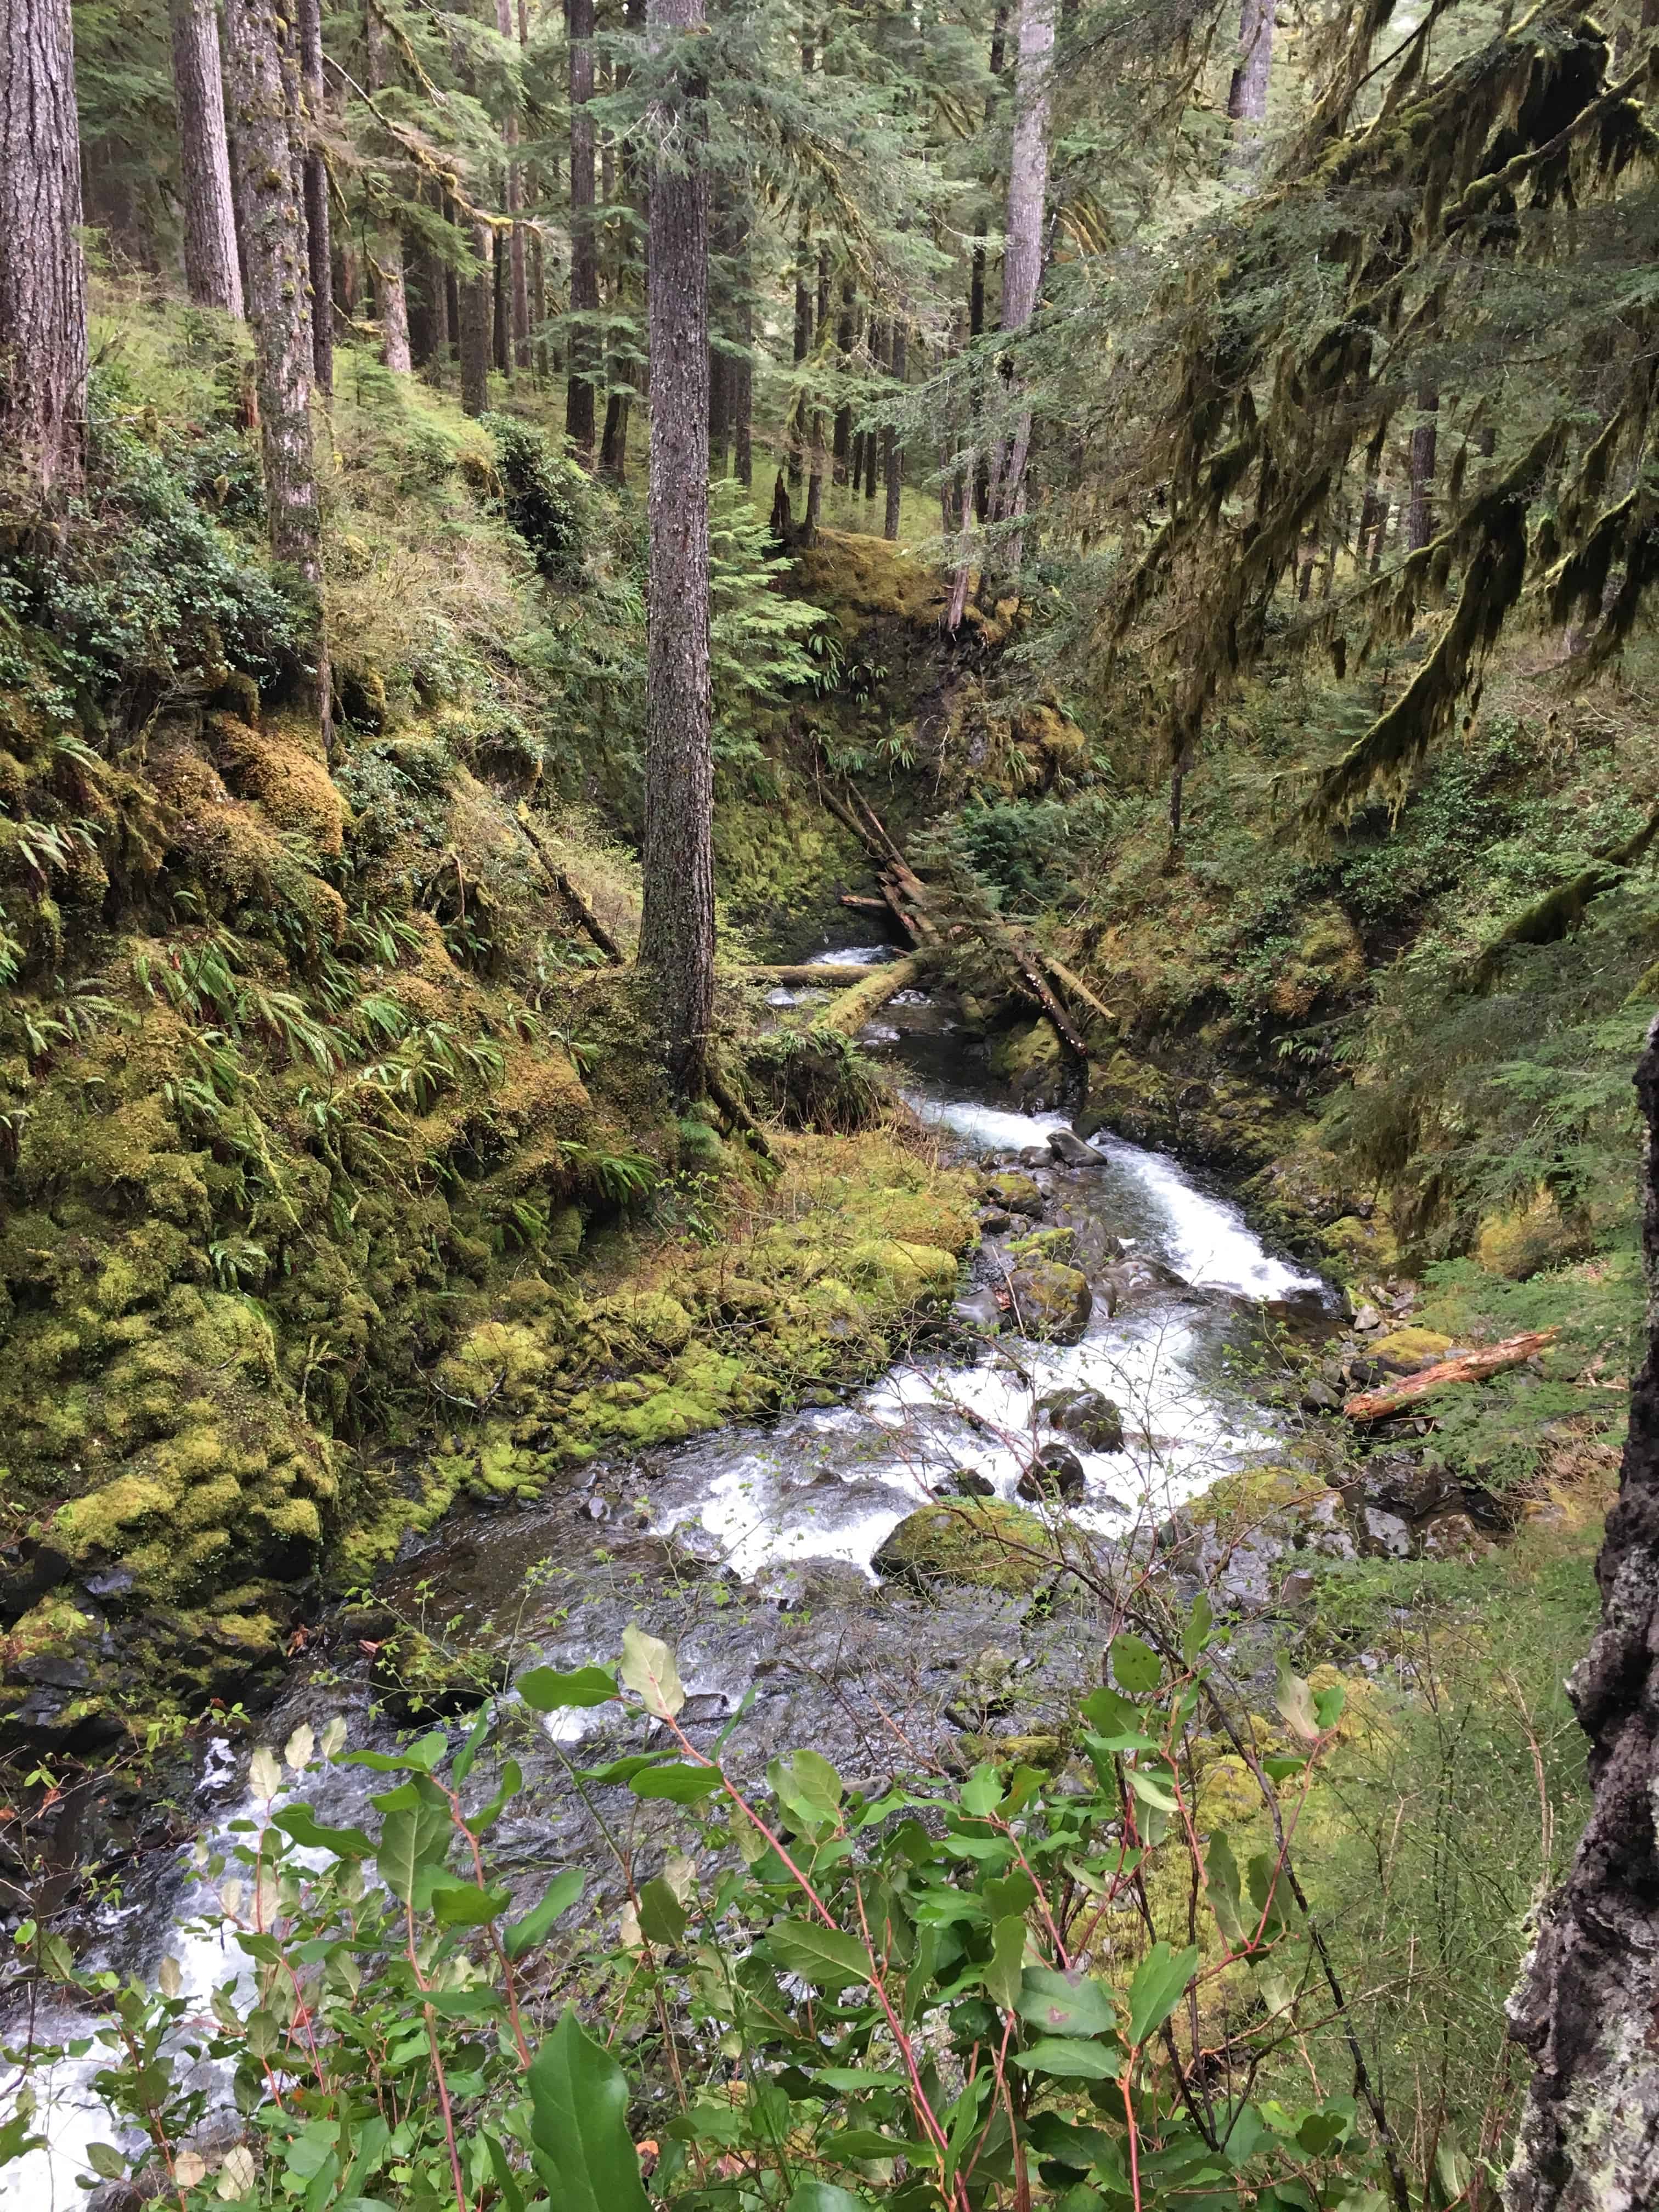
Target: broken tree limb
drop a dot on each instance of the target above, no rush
(1467, 1367)
(857, 899)
(828, 976)
(855, 1008)
(1076, 988)
(737, 1113)
(580, 909)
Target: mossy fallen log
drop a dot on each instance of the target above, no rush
(823, 975)
(855, 1008)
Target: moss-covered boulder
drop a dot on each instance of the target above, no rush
(977, 1540)
(1050, 1303)
(1012, 1191)
(1403, 1351)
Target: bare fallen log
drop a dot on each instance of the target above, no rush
(1467, 1367)
(853, 1008)
(821, 974)
(857, 899)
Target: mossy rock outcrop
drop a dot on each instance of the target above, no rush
(978, 1541)
(1050, 1302)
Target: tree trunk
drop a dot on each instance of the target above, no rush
(477, 323)
(517, 285)
(1419, 520)
(893, 457)
(320, 249)
(677, 931)
(386, 248)
(43, 282)
(976, 280)
(262, 63)
(803, 346)
(584, 250)
(1021, 258)
(841, 448)
(613, 452)
(818, 458)
(211, 271)
(742, 392)
(1246, 96)
(1589, 1991)
(452, 317)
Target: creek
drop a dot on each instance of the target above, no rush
(749, 1550)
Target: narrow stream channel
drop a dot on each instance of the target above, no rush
(750, 1548)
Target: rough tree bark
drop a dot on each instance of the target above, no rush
(1246, 96)
(803, 346)
(263, 62)
(479, 323)
(976, 279)
(676, 932)
(1022, 256)
(43, 283)
(211, 271)
(1419, 516)
(584, 247)
(893, 452)
(385, 246)
(518, 282)
(1589, 1996)
(320, 246)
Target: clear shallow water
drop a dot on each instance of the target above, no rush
(826, 1484)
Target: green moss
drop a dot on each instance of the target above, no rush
(977, 1541)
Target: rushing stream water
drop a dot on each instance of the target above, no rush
(750, 1548)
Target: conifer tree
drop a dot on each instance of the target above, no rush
(578, 414)
(319, 233)
(677, 934)
(211, 270)
(43, 299)
(262, 51)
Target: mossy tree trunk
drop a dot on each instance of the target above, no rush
(385, 251)
(319, 238)
(43, 286)
(212, 272)
(677, 934)
(1247, 95)
(478, 306)
(1588, 1998)
(262, 52)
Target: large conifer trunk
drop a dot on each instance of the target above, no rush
(1588, 2006)
(477, 307)
(584, 251)
(43, 294)
(677, 935)
(262, 58)
(210, 266)
(320, 233)
(1022, 257)
(385, 251)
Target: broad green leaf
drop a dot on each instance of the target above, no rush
(422, 1756)
(1149, 1790)
(1195, 1631)
(807, 1787)
(662, 1915)
(506, 2180)
(681, 1783)
(1136, 1665)
(823, 1956)
(476, 1737)
(1329, 1704)
(1226, 1891)
(334, 1737)
(1295, 1700)
(105, 2160)
(463, 1904)
(647, 1668)
(512, 1781)
(1065, 2004)
(1267, 1890)
(412, 1836)
(1008, 1950)
(579, 2126)
(307, 2153)
(1070, 2059)
(1112, 1715)
(264, 1776)
(1014, 1893)
(300, 1822)
(824, 2197)
(1155, 1990)
(524, 1934)
(982, 1793)
(169, 1977)
(857, 2078)
(296, 1751)
(545, 1691)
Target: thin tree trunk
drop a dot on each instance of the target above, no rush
(1589, 1996)
(894, 457)
(385, 246)
(320, 249)
(719, 412)
(477, 323)
(517, 286)
(976, 280)
(841, 450)
(584, 251)
(818, 458)
(613, 452)
(211, 270)
(43, 283)
(1419, 521)
(677, 930)
(742, 393)
(1246, 96)
(452, 278)
(803, 346)
(263, 62)
(500, 348)
(1021, 258)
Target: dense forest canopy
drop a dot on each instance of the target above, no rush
(754, 753)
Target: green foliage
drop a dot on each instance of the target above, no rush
(816, 1078)
(933, 1993)
(544, 497)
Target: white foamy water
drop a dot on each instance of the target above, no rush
(1209, 1241)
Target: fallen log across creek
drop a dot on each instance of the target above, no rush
(821, 974)
(1467, 1367)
